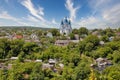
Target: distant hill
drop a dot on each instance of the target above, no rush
(25, 27)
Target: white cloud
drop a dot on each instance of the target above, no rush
(70, 7)
(91, 22)
(105, 14)
(112, 16)
(53, 21)
(88, 21)
(95, 4)
(32, 19)
(6, 16)
(38, 13)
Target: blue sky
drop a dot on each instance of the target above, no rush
(49, 13)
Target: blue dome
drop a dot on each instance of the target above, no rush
(62, 22)
(65, 20)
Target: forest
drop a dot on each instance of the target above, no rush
(70, 62)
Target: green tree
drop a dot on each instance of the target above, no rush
(92, 39)
(116, 56)
(4, 47)
(112, 72)
(75, 31)
(104, 51)
(89, 46)
(55, 32)
(16, 47)
(83, 31)
(37, 73)
(39, 33)
(82, 46)
(72, 36)
(105, 38)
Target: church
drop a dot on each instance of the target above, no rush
(65, 27)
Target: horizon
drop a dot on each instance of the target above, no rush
(92, 14)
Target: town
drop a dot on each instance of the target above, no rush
(59, 40)
(64, 53)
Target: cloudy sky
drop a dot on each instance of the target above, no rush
(49, 13)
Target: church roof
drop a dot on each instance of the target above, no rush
(66, 20)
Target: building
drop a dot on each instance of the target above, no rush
(14, 58)
(101, 63)
(49, 34)
(65, 27)
(65, 42)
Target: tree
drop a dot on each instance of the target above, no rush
(39, 32)
(104, 51)
(21, 56)
(92, 75)
(82, 46)
(55, 32)
(83, 31)
(92, 39)
(82, 71)
(75, 58)
(3, 74)
(29, 47)
(89, 46)
(116, 56)
(75, 31)
(112, 72)
(72, 36)
(37, 73)
(105, 38)
(16, 46)
(4, 47)
(68, 73)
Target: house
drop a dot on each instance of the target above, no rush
(111, 38)
(14, 58)
(61, 65)
(95, 33)
(76, 36)
(50, 65)
(46, 66)
(27, 60)
(118, 33)
(15, 36)
(34, 38)
(62, 42)
(26, 38)
(65, 42)
(9, 66)
(3, 66)
(52, 61)
(49, 34)
(101, 42)
(19, 36)
(38, 60)
(74, 41)
(102, 63)
(10, 37)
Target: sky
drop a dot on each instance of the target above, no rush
(49, 13)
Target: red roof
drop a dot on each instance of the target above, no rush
(19, 36)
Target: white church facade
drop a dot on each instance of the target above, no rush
(65, 27)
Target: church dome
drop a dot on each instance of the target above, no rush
(65, 27)
(66, 20)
